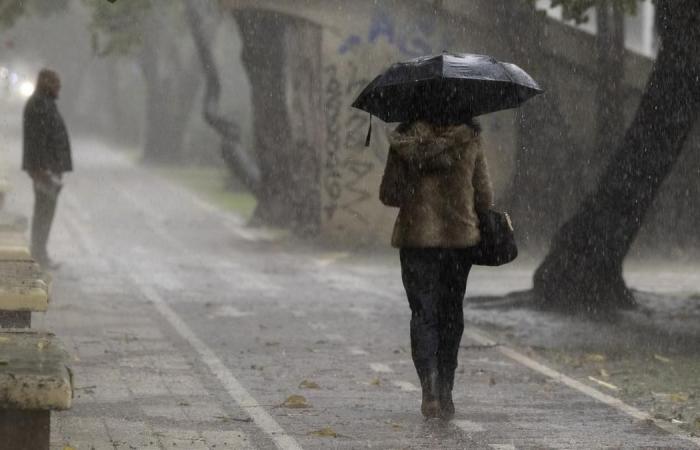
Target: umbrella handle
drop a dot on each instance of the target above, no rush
(369, 132)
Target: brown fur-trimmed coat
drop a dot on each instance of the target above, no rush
(438, 177)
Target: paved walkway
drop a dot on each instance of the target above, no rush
(187, 331)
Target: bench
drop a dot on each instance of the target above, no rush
(34, 380)
(24, 289)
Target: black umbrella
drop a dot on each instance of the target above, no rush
(446, 88)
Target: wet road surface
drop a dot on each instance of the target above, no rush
(190, 331)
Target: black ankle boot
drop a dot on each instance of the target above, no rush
(445, 384)
(430, 407)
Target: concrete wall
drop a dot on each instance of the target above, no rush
(362, 37)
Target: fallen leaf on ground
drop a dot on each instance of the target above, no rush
(307, 384)
(604, 384)
(375, 382)
(42, 343)
(325, 432)
(394, 425)
(663, 359)
(594, 357)
(492, 381)
(296, 402)
(679, 397)
(677, 422)
(603, 373)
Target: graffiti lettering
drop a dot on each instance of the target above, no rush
(348, 164)
(357, 121)
(352, 41)
(357, 170)
(414, 39)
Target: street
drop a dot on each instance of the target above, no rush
(189, 330)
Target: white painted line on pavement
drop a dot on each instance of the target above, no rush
(262, 419)
(380, 367)
(577, 385)
(405, 386)
(236, 391)
(468, 426)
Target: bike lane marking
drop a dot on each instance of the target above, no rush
(233, 387)
(577, 385)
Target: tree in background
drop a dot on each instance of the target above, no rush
(583, 269)
(154, 33)
(281, 56)
(240, 163)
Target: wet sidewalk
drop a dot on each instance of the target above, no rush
(190, 331)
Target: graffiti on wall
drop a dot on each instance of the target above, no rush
(344, 170)
(352, 64)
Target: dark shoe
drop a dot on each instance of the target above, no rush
(430, 407)
(447, 406)
(445, 384)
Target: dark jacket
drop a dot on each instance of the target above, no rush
(439, 179)
(46, 142)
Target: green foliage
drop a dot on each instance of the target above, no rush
(12, 10)
(577, 10)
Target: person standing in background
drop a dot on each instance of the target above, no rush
(46, 157)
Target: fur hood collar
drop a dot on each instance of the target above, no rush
(421, 142)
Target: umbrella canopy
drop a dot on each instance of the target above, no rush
(447, 87)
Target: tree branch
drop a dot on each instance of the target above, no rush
(242, 165)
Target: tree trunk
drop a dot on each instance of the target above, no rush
(583, 270)
(282, 56)
(537, 199)
(241, 165)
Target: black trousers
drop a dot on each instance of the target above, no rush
(44, 211)
(435, 280)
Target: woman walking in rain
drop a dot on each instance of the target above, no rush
(437, 175)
